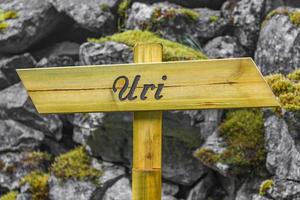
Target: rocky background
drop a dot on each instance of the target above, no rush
(248, 154)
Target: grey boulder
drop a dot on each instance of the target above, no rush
(247, 17)
(283, 157)
(93, 15)
(121, 190)
(9, 65)
(105, 53)
(70, 189)
(34, 21)
(181, 27)
(224, 47)
(278, 45)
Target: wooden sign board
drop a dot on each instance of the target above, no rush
(204, 84)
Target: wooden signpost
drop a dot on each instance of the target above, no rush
(148, 88)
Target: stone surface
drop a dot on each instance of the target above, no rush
(202, 189)
(248, 189)
(119, 191)
(284, 189)
(112, 142)
(283, 157)
(16, 105)
(247, 17)
(59, 54)
(213, 4)
(217, 144)
(13, 166)
(35, 20)
(278, 47)
(9, 65)
(93, 15)
(224, 47)
(180, 27)
(70, 189)
(105, 53)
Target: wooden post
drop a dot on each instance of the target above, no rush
(147, 138)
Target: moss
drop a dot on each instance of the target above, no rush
(6, 15)
(123, 7)
(10, 196)
(36, 157)
(295, 76)
(282, 11)
(244, 133)
(38, 182)
(160, 15)
(207, 156)
(104, 7)
(172, 50)
(76, 165)
(213, 18)
(295, 18)
(266, 185)
(192, 15)
(287, 89)
(3, 26)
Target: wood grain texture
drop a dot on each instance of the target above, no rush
(222, 83)
(147, 139)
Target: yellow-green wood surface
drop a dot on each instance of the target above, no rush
(147, 138)
(204, 84)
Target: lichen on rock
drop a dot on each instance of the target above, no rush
(9, 196)
(75, 164)
(38, 184)
(172, 50)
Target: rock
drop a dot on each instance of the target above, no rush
(180, 139)
(283, 157)
(249, 189)
(278, 45)
(60, 54)
(224, 47)
(247, 17)
(109, 170)
(105, 53)
(169, 189)
(34, 20)
(16, 105)
(119, 191)
(18, 137)
(213, 4)
(13, 166)
(284, 189)
(180, 26)
(292, 118)
(84, 125)
(217, 144)
(112, 141)
(9, 65)
(168, 197)
(24, 196)
(93, 15)
(70, 189)
(202, 189)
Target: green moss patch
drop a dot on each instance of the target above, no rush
(123, 7)
(243, 132)
(172, 51)
(38, 182)
(6, 15)
(75, 164)
(287, 89)
(9, 196)
(294, 16)
(104, 7)
(213, 18)
(266, 185)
